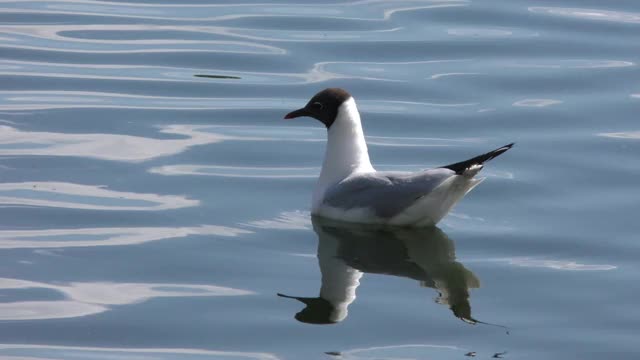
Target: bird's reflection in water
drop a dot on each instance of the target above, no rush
(347, 251)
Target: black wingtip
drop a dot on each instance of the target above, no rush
(509, 146)
(460, 167)
(498, 151)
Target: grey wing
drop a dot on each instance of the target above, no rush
(386, 193)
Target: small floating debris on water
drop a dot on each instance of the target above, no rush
(217, 76)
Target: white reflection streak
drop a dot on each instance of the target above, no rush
(275, 172)
(536, 102)
(237, 171)
(287, 172)
(589, 14)
(54, 238)
(52, 33)
(478, 32)
(275, 10)
(85, 298)
(287, 220)
(126, 51)
(443, 4)
(622, 135)
(46, 194)
(127, 353)
(319, 72)
(85, 76)
(555, 264)
(115, 147)
(40, 100)
(573, 64)
(438, 76)
(386, 352)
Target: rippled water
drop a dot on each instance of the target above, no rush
(153, 203)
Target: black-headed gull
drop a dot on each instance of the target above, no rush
(350, 189)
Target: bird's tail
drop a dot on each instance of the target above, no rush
(475, 164)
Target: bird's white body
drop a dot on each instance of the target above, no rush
(347, 163)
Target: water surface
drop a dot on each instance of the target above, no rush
(153, 202)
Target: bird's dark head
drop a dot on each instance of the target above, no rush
(323, 106)
(317, 311)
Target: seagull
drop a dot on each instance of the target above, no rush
(350, 189)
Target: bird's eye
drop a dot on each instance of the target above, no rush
(317, 105)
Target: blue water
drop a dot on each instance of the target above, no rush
(146, 212)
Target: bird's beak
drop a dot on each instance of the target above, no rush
(297, 113)
(304, 300)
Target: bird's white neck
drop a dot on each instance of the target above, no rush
(346, 151)
(339, 280)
